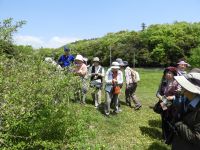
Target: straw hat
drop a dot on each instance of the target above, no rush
(120, 61)
(96, 59)
(79, 57)
(191, 83)
(115, 65)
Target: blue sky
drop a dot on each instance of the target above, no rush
(53, 23)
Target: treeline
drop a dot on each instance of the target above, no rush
(156, 46)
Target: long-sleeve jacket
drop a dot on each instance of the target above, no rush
(188, 128)
(109, 77)
(167, 88)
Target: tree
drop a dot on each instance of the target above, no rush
(7, 28)
(194, 59)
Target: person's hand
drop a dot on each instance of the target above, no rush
(170, 98)
(160, 97)
(180, 126)
(98, 74)
(114, 81)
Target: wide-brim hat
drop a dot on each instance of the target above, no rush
(120, 61)
(96, 59)
(183, 63)
(85, 59)
(115, 65)
(79, 57)
(195, 70)
(125, 63)
(191, 83)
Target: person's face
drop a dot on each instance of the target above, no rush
(96, 63)
(78, 62)
(169, 75)
(182, 67)
(187, 94)
(114, 70)
(66, 52)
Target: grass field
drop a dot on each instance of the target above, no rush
(138, 130)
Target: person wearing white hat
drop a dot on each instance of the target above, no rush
(96, 73)
(81, 70)
(187, 135)
(113, 78)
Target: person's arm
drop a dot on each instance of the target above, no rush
(127, 77)
(120, 78)
(102, 72)
(188, 134)
(90, 72)
(72, 58)
(108, 80)
(83, 70)
(158, 95)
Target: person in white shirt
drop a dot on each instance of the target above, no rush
(96, 73)
(132, 77)
(113, 78)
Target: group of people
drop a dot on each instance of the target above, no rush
(178, 95)
(111, 81)
(179, 106)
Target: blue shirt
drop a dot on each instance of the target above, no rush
(64, 61)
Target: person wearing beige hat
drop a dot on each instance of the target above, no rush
(113, 78)
(81, 70)
(96, 73)
(187, 128)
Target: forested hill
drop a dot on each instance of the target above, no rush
(157, 45)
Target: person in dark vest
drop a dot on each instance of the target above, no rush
(96, 72)
(66, 59)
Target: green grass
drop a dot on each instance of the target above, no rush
(137, 130)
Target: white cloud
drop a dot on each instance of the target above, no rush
(38, 42)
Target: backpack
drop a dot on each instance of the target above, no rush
(135, 75)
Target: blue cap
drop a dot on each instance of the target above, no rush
(66, 48)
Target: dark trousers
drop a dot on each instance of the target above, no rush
(130, 94)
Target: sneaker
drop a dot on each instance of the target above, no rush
(116, 111)
(138, 107)
(120, 110)
(107, 113)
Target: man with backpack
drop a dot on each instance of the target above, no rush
(132, 77)
(96, 72)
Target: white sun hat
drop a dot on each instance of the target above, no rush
(115, 65)
(191, 83)
(79, 57)
(85, 59)
(96, 59)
